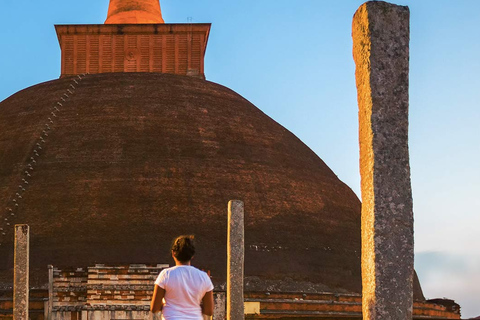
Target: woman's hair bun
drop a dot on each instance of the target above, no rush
(183, 248)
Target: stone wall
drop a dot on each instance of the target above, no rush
(124, 292)
(328, 306)
(108, 293)
(103, 292)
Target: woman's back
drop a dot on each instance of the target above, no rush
(184, 286)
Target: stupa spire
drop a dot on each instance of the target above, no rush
(134, 12)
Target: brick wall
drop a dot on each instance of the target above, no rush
(124, 292)
(163, 48)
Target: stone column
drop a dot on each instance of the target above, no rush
(219, 300)
(50, 293)
(21, 269)
(381, 53)
(235, 260)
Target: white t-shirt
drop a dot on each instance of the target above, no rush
(184, 286)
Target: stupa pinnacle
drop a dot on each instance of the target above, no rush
(134, 12)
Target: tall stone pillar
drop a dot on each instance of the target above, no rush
(235, 260)
(21, 269)
(381, 53)
(50, 293)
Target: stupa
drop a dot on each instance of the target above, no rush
(132, 147)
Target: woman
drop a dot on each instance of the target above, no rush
(187, 291)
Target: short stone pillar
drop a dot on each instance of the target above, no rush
(381, 53)
(49, 309)
(235, 260)
(21, 270)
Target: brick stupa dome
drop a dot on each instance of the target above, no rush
(133, 159)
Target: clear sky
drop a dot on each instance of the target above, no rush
(293, 60)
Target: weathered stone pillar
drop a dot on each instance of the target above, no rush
(21, 269)
(235, 260)
(50, 293)
(219, 300)
(381, 53)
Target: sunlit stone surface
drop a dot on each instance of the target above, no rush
(380, 49)
(235, 263)
(21, 265)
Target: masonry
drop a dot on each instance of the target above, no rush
(165, 48)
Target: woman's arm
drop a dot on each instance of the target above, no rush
(207, 303)
(156, 304)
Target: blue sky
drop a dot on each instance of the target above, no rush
(293, 60)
